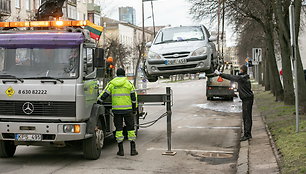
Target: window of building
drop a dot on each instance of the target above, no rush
(28, 5)
(17, 3)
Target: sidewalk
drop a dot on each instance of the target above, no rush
(256, 155)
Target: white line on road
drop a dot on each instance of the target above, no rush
(192, 150)
(208, 127)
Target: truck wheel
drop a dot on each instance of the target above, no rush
(92, 146)
(7, 149)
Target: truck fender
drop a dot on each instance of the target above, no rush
(96, 112)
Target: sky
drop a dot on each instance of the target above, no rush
(167, 12)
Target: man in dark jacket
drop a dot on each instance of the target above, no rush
(247, 97)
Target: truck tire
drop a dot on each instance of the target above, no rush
(7, 149)
(92, 146)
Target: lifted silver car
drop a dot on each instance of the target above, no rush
(181, 50)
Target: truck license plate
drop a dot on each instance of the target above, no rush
(176, 61)
(28, 137)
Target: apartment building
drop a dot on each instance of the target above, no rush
(127, 34)
(20, 10)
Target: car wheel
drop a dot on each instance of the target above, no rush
(152, 79)
(209, 98)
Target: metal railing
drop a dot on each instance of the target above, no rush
(5, 7)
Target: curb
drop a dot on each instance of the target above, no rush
(243, 158)
(276, 153)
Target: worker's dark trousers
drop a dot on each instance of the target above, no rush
(129, 122)
(247, 105)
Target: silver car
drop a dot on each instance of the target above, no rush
(180, 50)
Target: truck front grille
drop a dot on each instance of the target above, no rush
(38, 108)
(176, 55)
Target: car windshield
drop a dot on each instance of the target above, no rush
(39, 62)
(180, 34)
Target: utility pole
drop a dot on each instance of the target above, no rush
(218, 35)
(223, 19)
(154, 32)
(294, 59)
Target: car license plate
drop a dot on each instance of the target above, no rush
(28, 137)
(176, 61)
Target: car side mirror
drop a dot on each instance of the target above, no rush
(99, 61)
(149, 44)
(212, 39)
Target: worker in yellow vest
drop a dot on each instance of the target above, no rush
(124, 103)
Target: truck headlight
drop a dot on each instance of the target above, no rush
(152, 55)
(72, 128)
(200, 51)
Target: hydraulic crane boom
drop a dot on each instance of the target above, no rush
(50, 8)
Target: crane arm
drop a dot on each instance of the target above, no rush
(50, 8)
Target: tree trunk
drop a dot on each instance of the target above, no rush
(140, 51)
(282, 20)
(275, 80)
(267, 72)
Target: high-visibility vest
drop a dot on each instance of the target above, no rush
(120, 88)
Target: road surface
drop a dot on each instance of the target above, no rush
(205, 136)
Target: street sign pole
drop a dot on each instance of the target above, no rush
(293, 47)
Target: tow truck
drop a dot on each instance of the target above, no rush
(50, 71)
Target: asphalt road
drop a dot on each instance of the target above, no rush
(205, 136)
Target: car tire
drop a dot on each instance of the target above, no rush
(209, 98)
(152, 79)
(92, 146)
(7, 149)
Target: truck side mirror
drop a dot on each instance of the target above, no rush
(149, 44)
(99, 61)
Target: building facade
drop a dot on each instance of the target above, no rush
(127, 14)
(127, 34)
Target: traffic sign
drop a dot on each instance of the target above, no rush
(257, 54)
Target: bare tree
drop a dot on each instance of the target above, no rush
(117, 51)
(240, 12)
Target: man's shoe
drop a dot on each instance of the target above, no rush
(244, 138)
(133, 148)
(121, 151)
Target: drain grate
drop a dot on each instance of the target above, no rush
(215, 155)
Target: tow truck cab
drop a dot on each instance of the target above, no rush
(49, 87)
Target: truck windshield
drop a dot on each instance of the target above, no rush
(179, 34)
(39, 62)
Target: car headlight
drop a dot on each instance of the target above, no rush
(152, 55)
(200, 51)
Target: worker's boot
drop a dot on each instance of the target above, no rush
(133, 148)
(121, 151)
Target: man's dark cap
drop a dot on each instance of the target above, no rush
(120, 72)
(244, 68)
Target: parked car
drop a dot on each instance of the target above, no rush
(223, 89)
(181, 50)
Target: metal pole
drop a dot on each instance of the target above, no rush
(218, 36)
(169, 126)
(294, 51)
(154, 32)
(223, 19)
(143, 28)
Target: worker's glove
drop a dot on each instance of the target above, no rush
(100, 101)
(217, 72)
